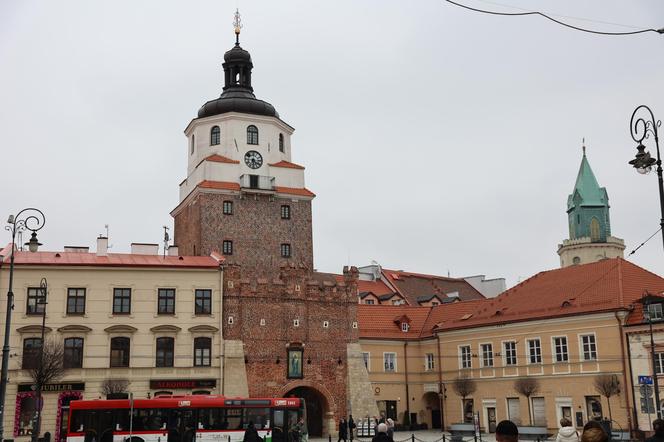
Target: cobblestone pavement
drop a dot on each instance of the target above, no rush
(420, 436)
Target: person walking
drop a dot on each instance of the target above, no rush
(658, 426)
(251, 434)
(506, 431)
(381, 434)
(390, 427)
(567, 432)
(351, 427)
(343, 430)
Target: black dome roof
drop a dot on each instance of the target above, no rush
(238, 95)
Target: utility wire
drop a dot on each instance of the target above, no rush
(644, 242)
(484, 11)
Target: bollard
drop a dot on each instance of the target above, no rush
(412, 438)
(329, 438)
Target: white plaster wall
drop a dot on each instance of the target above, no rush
(639, 345)
(588, 251)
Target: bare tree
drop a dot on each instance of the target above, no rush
(607, 385)
(51, 367)
(114, 387)
(527, 387)
(464, 386)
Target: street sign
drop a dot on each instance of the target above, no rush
(646, 390)
(645, 380)
(647, 405)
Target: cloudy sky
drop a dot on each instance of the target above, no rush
(436, 139)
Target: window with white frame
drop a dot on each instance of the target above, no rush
(534, 351)
(366, 357)
(390, 361)
(509, 349)
(655, 312)
(560, 349)
(487, 355)
(589, 347)
(404, 327)
(428, 362)
(465, 357)
(659, 363)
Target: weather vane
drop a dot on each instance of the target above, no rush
(237, 24)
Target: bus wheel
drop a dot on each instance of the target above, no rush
(134, 439)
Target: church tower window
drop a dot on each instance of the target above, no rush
(215, 136)
(281, 143)
(285, 250)
(594, 230)
(193, 144)
(285, 212)
(252, 134)
(227, 247)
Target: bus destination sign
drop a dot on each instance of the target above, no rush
(161, 384)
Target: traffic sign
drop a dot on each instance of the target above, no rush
(645, 380)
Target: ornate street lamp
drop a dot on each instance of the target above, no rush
(27, 219)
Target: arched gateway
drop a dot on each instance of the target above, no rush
(319, 412)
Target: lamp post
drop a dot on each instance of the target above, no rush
(33, 220)
(641, 126)
(653, 356)
(43, 292)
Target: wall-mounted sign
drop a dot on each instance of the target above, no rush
(72, 386)
(173, 384)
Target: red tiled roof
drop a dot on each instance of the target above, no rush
(412, 285)
(220, 159)
(294, 191)
(377, 321)
(287, 164)
(636, 317)
(222, 185)
(607, 285)
(114, 260)
(376, 287)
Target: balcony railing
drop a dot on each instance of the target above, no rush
(257, 182)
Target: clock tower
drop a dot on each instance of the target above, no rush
(243, 196)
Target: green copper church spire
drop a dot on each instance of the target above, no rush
(588, 206)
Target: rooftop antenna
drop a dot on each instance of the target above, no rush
(237, 25)
(167, 238)
(107, 236)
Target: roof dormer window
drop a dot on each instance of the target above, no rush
(655, 312)
(404, 327)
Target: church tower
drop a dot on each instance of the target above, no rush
(590, 237)
(243, 196)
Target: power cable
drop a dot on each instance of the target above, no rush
(644, 242)
(548, 17)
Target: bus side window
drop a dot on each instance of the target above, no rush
(279, 418)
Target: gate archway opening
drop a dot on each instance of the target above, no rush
(317, 408)
(431, 403)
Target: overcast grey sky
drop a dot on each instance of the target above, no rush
(435, 138)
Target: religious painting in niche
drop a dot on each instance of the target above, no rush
(295, 363)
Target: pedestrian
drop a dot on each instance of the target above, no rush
(506, 431)
(594, 434)
(351, 427)
(343, 430)
(302, 429)
(251, 434)
(658, 426)
(382, 418)
(390, 428)
(567, 432)
(381, 434)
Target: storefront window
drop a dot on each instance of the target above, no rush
(25, 413)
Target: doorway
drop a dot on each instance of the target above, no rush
(491, 419)
(316, 408)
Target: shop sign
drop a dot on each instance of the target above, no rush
(74, 386)
(174, 384)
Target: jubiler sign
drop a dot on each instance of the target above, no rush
(77, 386)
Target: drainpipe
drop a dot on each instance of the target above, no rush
(405, 357)
(221, 327)
(441, 386)
(631, 376)
(620, 316)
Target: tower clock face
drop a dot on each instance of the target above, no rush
(253, 159)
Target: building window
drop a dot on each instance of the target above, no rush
(31, 348)
(296, 322)
(285, 212)
(34, 305)
(202, 352)
(404, 327)
(589, 347)
(465, 357)
(191, 145)
(75, 301)
(390, 362)
(165, 349)
(366, 357)
(252, 134)
(354, 324)
(429, 362)
(285, 250)
(203, 301)
(594, 230)
(228, 207)
(73, 356)
(121, 301)
(655, 312)
(659, 363)
(166, 301)
(510, 352)
(434, 303)
(534, 351)
(487, 355)
(369, 301)
(262, 322)
(576, 260)
(281, 143)
(227, 247)
(215, 135)
(326, 324)
(120, 352)
(560, 348)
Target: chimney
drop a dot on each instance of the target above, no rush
(140, 248)
(77, 249)
(102, 246)
(173, 250)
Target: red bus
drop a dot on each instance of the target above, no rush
(199, 418)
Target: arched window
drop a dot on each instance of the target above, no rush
(31, 348)
(281, 143)
(73, 357)
(215, 136)
(193, 144)
(252, 134)
(202, 352)
(165, 347)
(120, 352)
(594, 230)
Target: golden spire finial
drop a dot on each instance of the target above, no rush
(237, 24)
